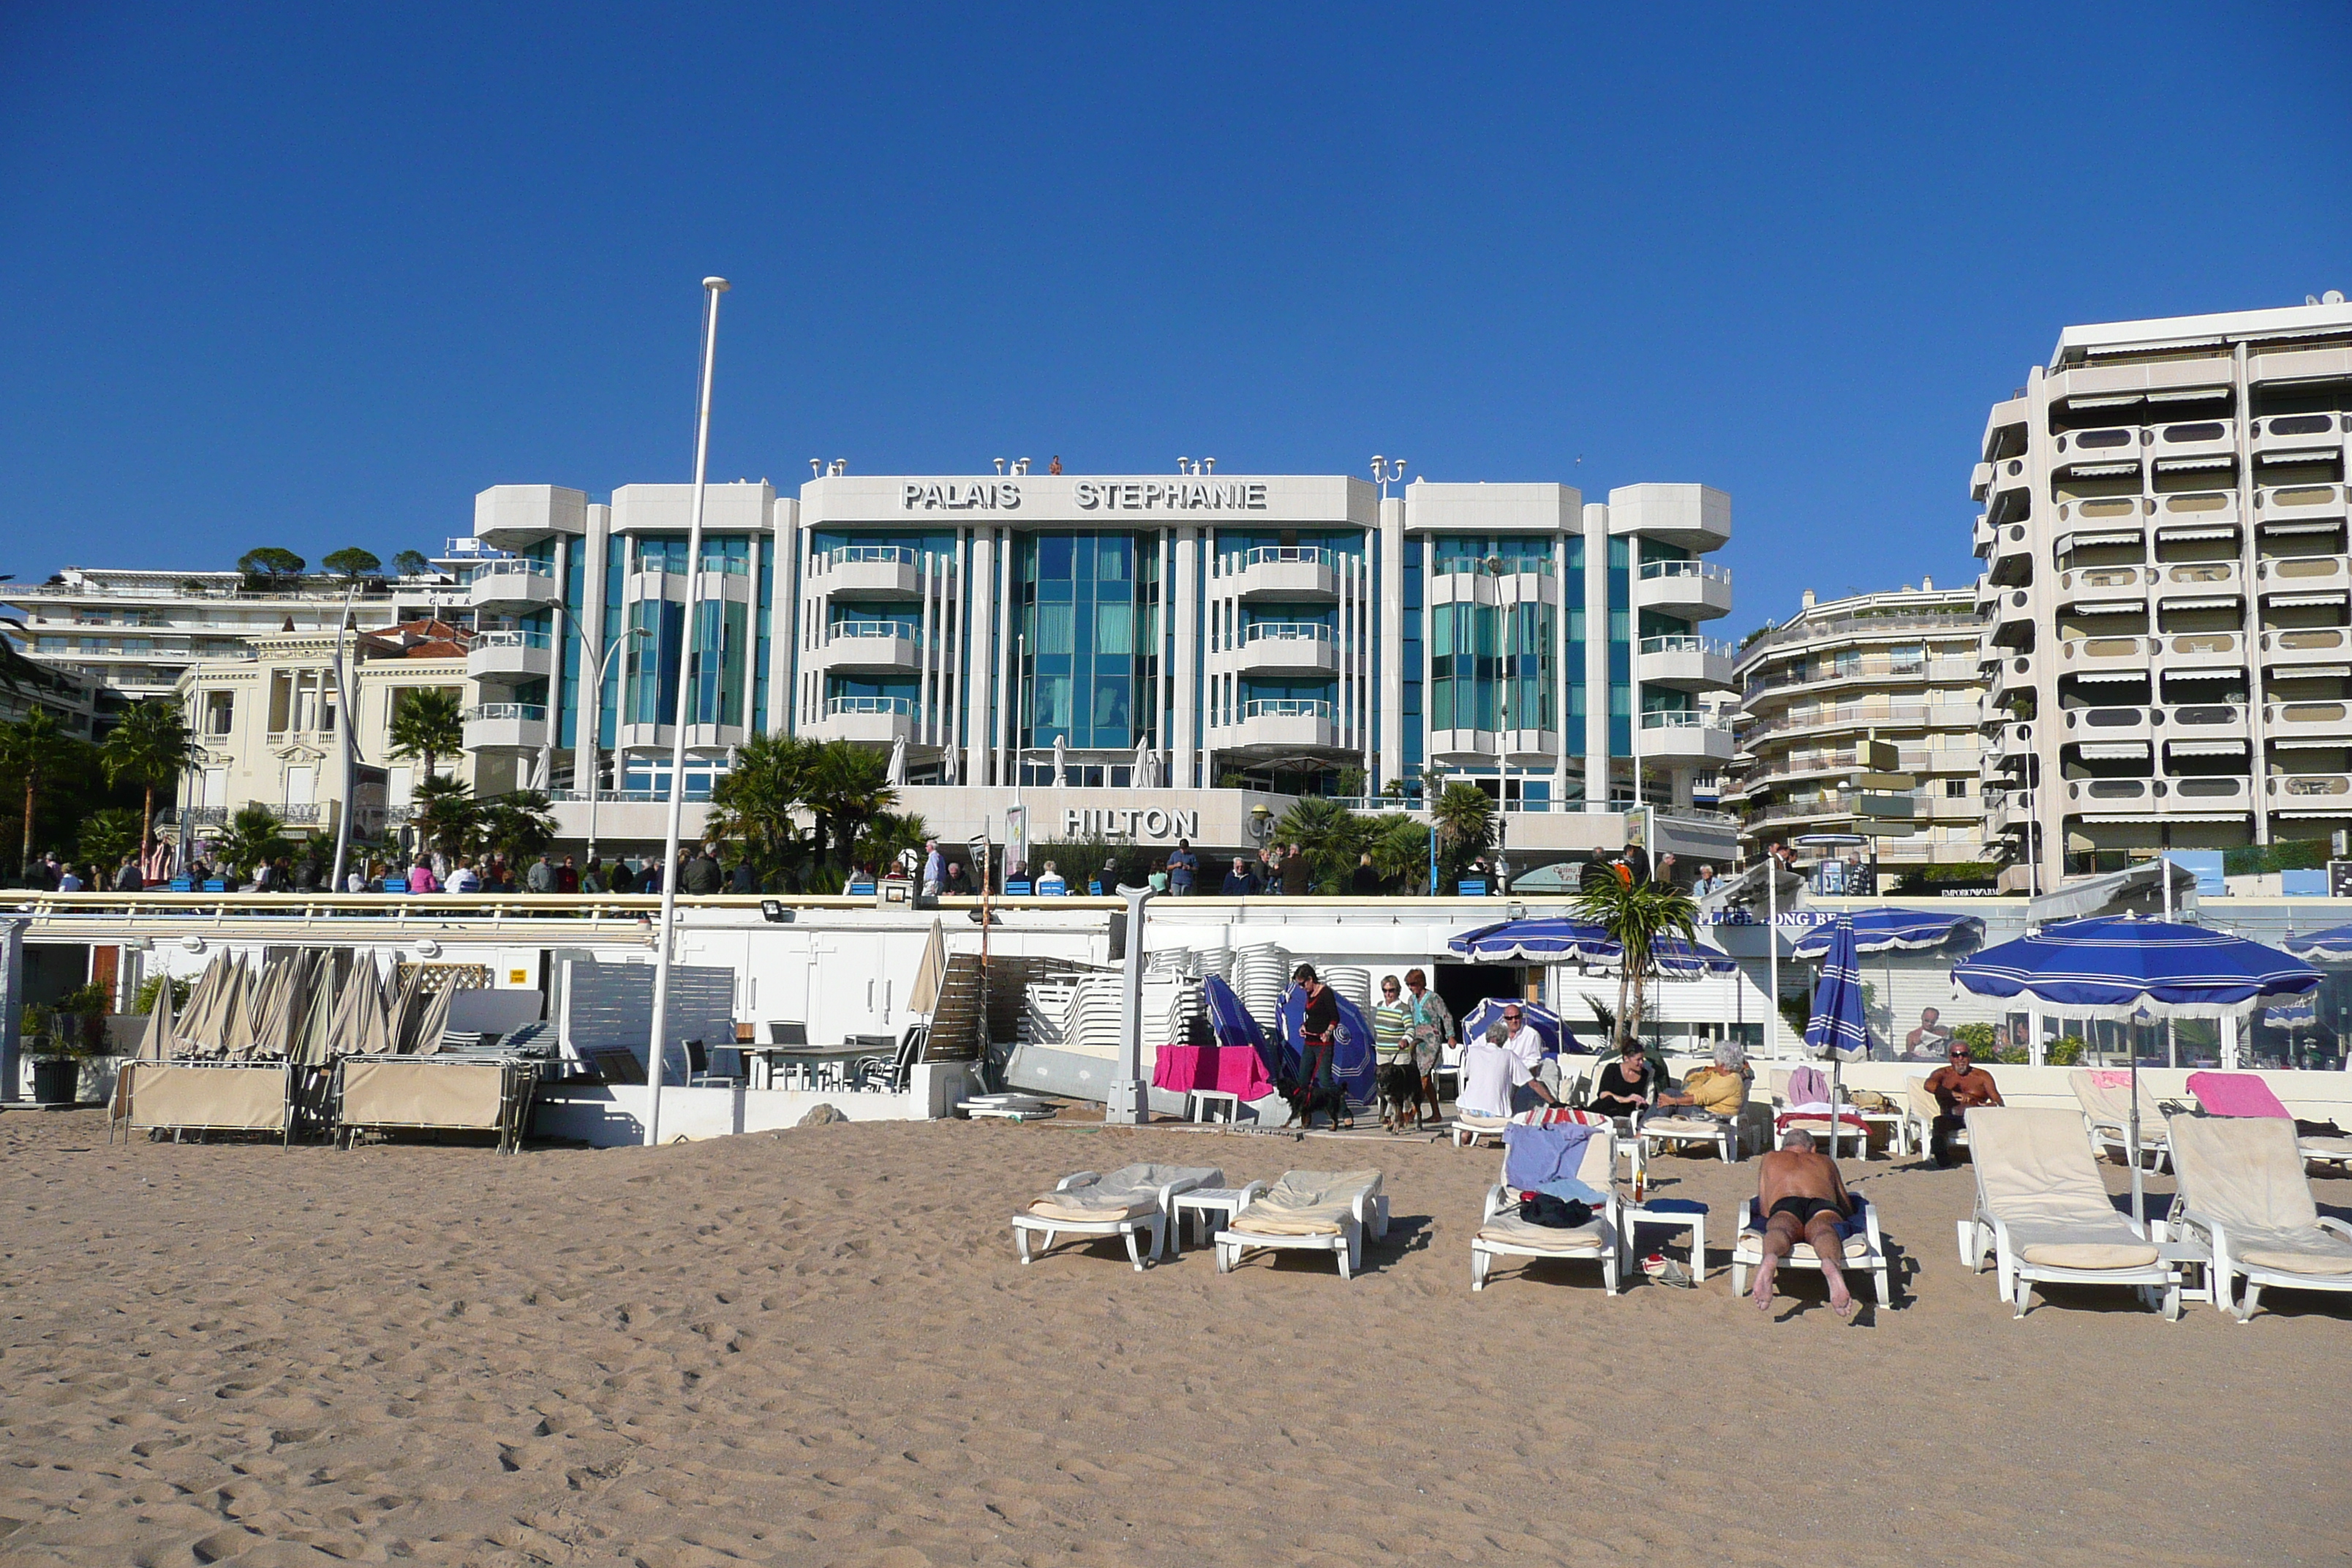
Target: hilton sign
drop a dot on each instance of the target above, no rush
(1118, 822)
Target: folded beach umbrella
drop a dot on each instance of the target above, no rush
(2129, 969)
(233, 1036)
(1840, 1026)
(1354, 1065)
(1887, 929)
(1233, 1024)
(1540, 1018)
(156, 1045)
(407, 991)
(428, 1019)
(314, 1033)
(372, 1034)
(188, 1030)
(930, 975)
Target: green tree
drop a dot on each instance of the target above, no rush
(428, 723)
(352, 564)
(848, 784)
(1400, 850)
(1331, 835)
(269, 566)
(33, 751)
(253, 838)
(1638, 915)
(889, 833)
(755, 808)
(150, 747)
(411, 564)
(446, 815)
(517, 825)
(108, 835)
(1465, 826)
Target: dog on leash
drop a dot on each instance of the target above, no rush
(1400, 1089)
(1307, 1099)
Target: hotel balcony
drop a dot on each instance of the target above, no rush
(1276, 725)
(2179, 585)
(2193, 721)
(2110, 520)
(2181, 652)
(874, 571)
(875, 646)
(2098, 726)
(2279, 508)
(1684, 739)
(1685, 663)
(2308, 723)
(2321, 435)
(2009, 497)
(1476, 748)
(512, 585)
(2012, 615)
(1689, 590)
(1979, 486)
(1278, 572)
(2309, 794)
(2197, 439)
(2011, 744)
(2212, 799)
(507, 726)
(874, 721)
(2131, 652)
(2094, 451)
(2315, 650)
(2008, 554)
(511, 655)
(2106, 587)
(2284, 579)
(2011, 675)
(1281, 648)
(1493, 580)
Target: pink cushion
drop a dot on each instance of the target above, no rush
(2235, 1094)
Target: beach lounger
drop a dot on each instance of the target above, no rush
(1850, 1126)
(1134, 1202)
(2243, 1094)
(1469, 1127)
(2043, 1215)
(1920, 1113)
(2243, 1191)
(1311, 1211)
(1676, 1130)
(2106, 1095)
(1865, 1249)
(1503, 1233)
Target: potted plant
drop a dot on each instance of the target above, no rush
(66, 1037)
(56, 1073)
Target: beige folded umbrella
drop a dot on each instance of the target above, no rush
(194, 1028)
(272, 1004)
(431, 1017)
(157, 1045)
(315, 1033)
(399, 1023)
(233, 1038)
(374, 1037)
(929, 974)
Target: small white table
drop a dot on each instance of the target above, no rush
(1200, 1105)
(1671, 1213)
(1201, 1203)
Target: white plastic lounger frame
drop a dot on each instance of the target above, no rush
(1920, 1113)
(1135, 1228)
(1367, 1209)
(2231, 1244)
(1468, 1129)
(2072, 1199)
(1748, 1252)
(1598, 1241)
(2108, 1124)
(1676, 1130)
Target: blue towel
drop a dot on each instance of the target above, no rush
(1535, 1155)
(1567, 1187)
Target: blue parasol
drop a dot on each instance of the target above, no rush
(1840, 1026)
(1231, 1024)
(1354, 1064)
(2124, 969)
(1886, 929)
(1551, 939)
(2333, 943)
(1542, 1019)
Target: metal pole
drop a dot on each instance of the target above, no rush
(347, 715)
(656, 1064)
(12, 1005)
(1127, 1102)
(1773, 955)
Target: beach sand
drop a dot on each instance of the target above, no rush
(817, 1347)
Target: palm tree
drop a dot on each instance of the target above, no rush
(888, 834)
(754, 802)
(848, 784)
(1465, 825)
(35, 748)
(446, 815)
(1331, 835)
(150, 746)
(107, 835)
(1639, 914)
(252, 839)
(517, 825)
(1399, 849)
(429, 723)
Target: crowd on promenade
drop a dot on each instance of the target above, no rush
(699, 870)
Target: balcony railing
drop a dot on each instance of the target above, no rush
(1287, 708)
(1305, 554)
(1496, 565)
(293, 816)
(1686, 644)
(513, 639)
(836, 705)
(1700, 571)
(840, 630)
(204, 815)
(874, 554)
(1287, 631)
(1862, 625)
(526, 712)
(512, 566)
(1683, 719)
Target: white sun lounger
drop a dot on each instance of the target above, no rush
(1469, 1127)
(1865, 1251)
(2043, 1215)
(1680, 1129)
(2107, 1114)
(2243, 1190)
(1503, 1233)
(1920, 1113)
(1311, 1211)
(1134, 1202)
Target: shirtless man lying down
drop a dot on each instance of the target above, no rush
(1803, 1197)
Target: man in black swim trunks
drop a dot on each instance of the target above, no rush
(1803, 1197)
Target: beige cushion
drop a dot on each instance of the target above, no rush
(1482, 1123)
(1510, 1230)
(1128, 1193)
(2325, 1148)
(1750, 1249)
(1079, 1210)
(1676, 1126)
(2298, 1261)
(1307, 1203)
(2090, 1253)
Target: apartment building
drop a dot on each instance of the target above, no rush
(2168, 655)
(1195, 632)
(1899, 667)
(132, 634)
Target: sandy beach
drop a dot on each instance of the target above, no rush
(817, 1347)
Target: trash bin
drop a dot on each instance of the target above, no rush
(55, 1079)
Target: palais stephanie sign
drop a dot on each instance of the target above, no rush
(1137, 822)
(1090, 495)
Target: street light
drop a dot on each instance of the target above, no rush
(1387, 472)
(602, 659)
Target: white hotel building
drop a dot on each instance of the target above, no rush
(1206, 638)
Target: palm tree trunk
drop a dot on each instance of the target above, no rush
(24, 856)
(146, 827)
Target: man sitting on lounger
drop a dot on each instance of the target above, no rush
(1956, 1086)
(1804, 1198)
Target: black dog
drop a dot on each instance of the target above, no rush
(1400, 1096)
(1306, 1100)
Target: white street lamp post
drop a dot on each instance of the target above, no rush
(602, 659)
(655, 1057)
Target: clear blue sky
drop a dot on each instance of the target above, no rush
(314, 276)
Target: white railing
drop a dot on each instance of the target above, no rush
(1675, 719)
(876, 554)
(1287, 631)
(839, 705)
(1702, 571)
(1287, 708)
(1687, 644)
(527, 712)
(513, 639)
(512, 566)
(1304, 554)
(1494, 565)
(840, 630)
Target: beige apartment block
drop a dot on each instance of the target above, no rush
(2169, 659)
(267, 728)
(1898, 667)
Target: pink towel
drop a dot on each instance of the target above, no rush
(1228, 1069)
(2110, 1078)
(1809, 1086)
(2235, 1094)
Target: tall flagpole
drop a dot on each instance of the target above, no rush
(656, 1059)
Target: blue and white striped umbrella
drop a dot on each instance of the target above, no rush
(1887, 929)
(2120, 968)
(1551, 939)
(2333, 943)
(1536, 1016)
(1840, 1026)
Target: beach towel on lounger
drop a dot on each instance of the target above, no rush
(1128, 1193)
(2034, 1173)
(1550, 1159)
(1307, 1203)
(2246, 1176)
(2235, 1094)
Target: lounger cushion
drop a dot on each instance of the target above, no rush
(1510, 1230)
(2245, 1174)
(1750, 1249)
(2322, 1147)
(1307, 1203)
(2298, 1261)
(2090, 1253)
(1482, 1123)
(1676, 1127)
(1128, 1193)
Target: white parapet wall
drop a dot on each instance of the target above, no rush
(613, 1115)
